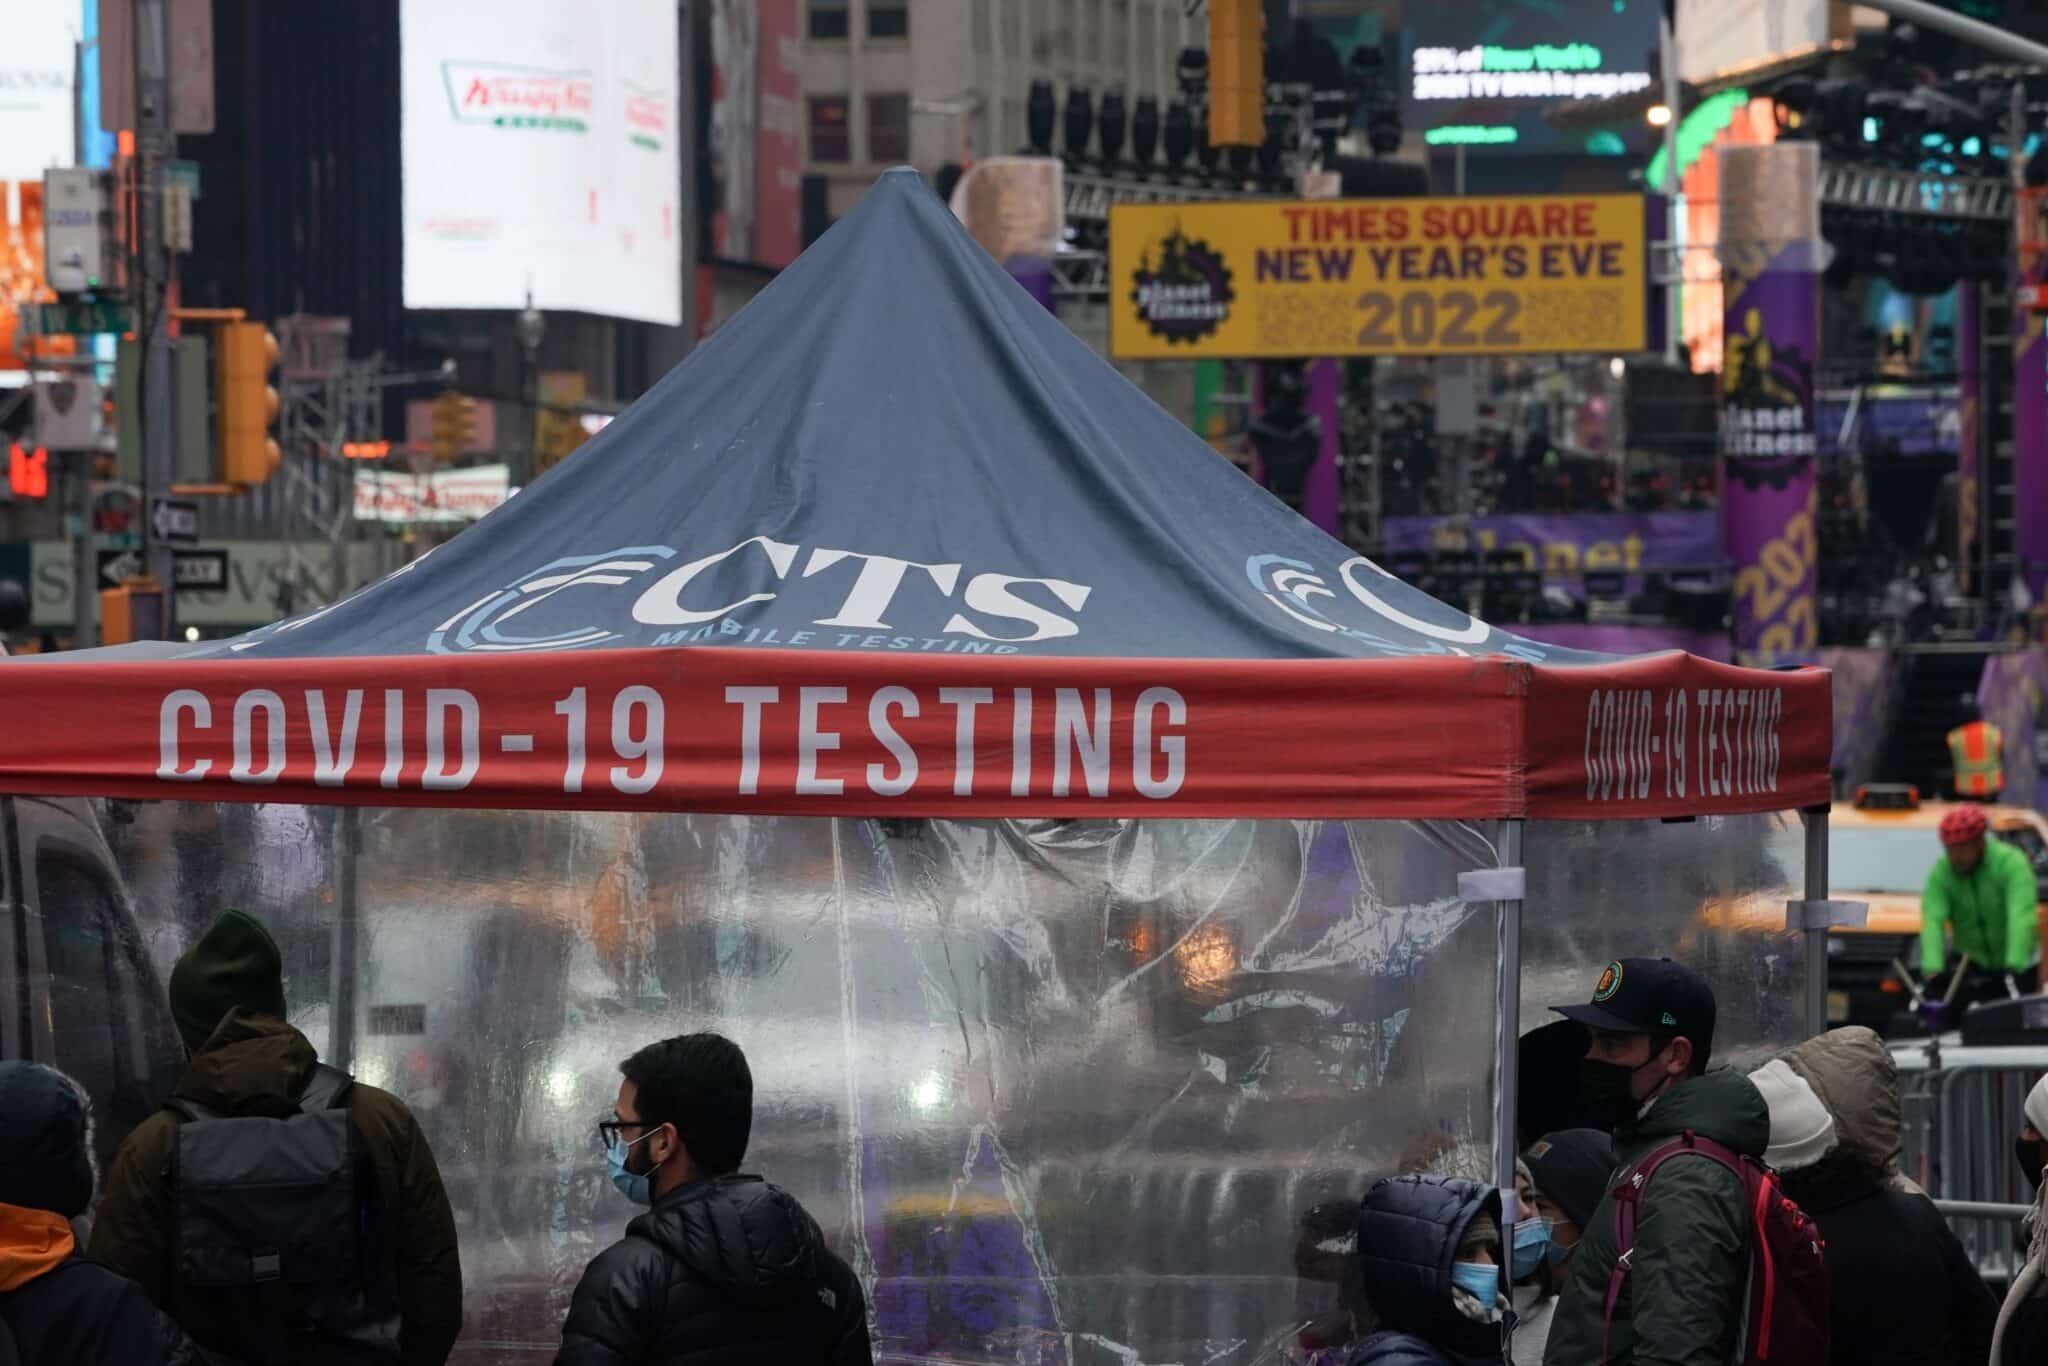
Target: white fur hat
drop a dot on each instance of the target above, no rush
(1802, 1130)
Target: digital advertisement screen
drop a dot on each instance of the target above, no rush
(539, 150)
(1482, 72)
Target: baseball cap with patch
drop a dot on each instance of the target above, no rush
(1650, 996)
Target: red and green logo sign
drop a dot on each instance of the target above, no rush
(647, 115)
(518, 96)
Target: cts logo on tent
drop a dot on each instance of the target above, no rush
(1305, 595)
(762, 591)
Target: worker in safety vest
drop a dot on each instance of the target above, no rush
(1977, 750)
(1981, 894)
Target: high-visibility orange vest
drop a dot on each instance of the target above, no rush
(1976, 749)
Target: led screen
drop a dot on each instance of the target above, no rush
(1482, 72)
(539, 150)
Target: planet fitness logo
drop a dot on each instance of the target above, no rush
(1187, 295)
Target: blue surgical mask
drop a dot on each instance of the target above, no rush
(635, 1186)
(1479, 1280)
(1532, 1241)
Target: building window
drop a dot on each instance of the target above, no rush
(828, 19)
(888, 19)
(889, 128)
(830, 140)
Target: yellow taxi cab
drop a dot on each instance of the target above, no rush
(1881, 847)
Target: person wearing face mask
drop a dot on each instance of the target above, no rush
(2021, 1335)
(1650, 1028)
(1568, 1173)
(1903, 1291)
(1430, 1264)
(722, 1267)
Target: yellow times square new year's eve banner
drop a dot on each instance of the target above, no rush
(1475, 275)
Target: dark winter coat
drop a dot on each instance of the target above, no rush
(56, 1309)
(1902, 1290)
(254, 1064)
(726, 1272)
(1409, 1228)
(1682, 1303)
(78, 1312)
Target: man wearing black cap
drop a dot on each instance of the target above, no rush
(1650, 1028)
(312, 1297)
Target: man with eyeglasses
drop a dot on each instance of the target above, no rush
(722, 1267)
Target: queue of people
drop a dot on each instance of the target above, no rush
(278, 1211)
(1730, 1218)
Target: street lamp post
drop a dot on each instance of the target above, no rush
(531, 327)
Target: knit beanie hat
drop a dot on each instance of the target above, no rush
(1483, 1231)
(1572, 1168)
(235, 964)
(45, 1140)
(1802, 1129)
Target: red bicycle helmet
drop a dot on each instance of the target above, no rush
(1962, 825)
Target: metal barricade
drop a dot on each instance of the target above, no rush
(1962, 1112)
(1990, 1234)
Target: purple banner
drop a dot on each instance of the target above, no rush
(1969, 407)
(1570, 543)
(2009, 694)
(1621, 639)
(1319, 504)
(1772, 330)
(1864, 699)
(1920, 422)
(1035, 274)
(2030, 452)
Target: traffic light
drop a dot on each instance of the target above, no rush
(454, 426)
(1237, 73)
(245, 404)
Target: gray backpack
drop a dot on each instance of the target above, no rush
(278, 1256)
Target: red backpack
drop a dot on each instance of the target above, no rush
(1786, 1304)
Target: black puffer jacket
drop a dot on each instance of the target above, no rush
(726, 1272)
(1408, 1234)
(55, 1308)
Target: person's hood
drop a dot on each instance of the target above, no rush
(250, 1065)
(1409, 1228)
(46, 1160)
(32, 1242)
(746, 1239)
(1855, 1076)
(1721, 1105)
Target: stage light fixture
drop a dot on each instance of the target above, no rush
(1145, 130)
(1079, 121)
(1111, 121)
(1041, 111)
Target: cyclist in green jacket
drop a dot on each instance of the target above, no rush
(1981, 894)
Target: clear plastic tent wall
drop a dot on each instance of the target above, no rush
(1060, 1091)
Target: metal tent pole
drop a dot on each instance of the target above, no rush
(1816, 819)
(1505, 887)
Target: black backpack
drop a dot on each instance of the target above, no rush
(278, 1254)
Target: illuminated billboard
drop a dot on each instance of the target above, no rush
(539, 153)
(1475, 275)
(1482, 72)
